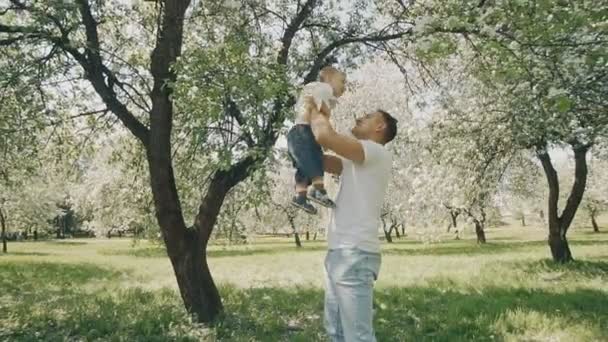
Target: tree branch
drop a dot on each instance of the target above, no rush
(292, 29)
(94, 67)
(578, 187)
(319, 60)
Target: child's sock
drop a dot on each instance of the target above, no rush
(319, 186)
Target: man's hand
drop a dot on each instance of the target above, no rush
(347, 147)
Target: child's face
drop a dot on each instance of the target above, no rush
(338, 83)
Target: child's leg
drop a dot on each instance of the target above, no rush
(302, 182)
(300, 200)
(318, 183)
(319, 194)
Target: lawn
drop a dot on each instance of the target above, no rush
(115, 290)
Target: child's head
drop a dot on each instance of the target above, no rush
(335, 78)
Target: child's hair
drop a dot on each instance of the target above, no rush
(328, 72)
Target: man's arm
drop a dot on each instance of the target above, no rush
(332, 164)
(345, 146)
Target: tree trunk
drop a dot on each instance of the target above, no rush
(36, 234)
(558, 225)
(197, 288)
(295, 232)
(596, 228)
(523, 220)
(387, 234)
(3, 224)
(454, 216)
(314, 236)
(560, 249)
(479, 231)
(397, 231)
(593, 213)
(307, 235)
(403, 229)
(297, 239)
(541, 214)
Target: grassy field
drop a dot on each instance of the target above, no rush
(113, 290)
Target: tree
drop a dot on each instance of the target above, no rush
(462, 168)
(523, 190)
(226, 46)
(21, 138)
(279, 211)
(3, 226)
(112, 193)
(596, 196)
(545, 61)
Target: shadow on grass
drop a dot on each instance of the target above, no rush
(472, 248)
(156, 252)
(399, 247)
(25, 254)
(69, 243)
(415, 314)
(575, 269)
(49, 301)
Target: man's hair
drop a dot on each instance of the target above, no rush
(328, 72)
(390, 131)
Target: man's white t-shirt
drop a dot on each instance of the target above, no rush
(321, 93)
(355, 221)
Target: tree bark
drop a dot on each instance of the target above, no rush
(558, 225)
(387, 234)
(454, 216)
(541, 214)
(596, 228)
(307, 235)
(523, 220)
(295, 231)
(3, 224)
(479, 231)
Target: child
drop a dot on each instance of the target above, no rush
(305, 152)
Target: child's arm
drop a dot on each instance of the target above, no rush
(311, 106)
(325, 110)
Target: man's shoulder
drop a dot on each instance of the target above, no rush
(375, 152)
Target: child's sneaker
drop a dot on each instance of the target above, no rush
(302, 203)
(320, 196)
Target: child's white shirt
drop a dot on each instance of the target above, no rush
(320, 92)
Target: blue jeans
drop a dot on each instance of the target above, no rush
(305, 153)
(349, 281)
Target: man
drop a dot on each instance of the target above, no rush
(353, 259)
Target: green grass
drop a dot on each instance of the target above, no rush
(113, 290)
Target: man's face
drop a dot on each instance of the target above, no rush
(367, 125)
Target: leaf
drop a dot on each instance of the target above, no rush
(563, 104)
